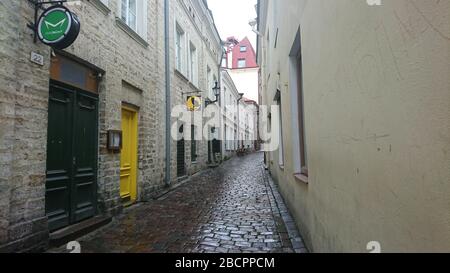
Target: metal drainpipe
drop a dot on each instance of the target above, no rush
(168, 97)
(220, 99)
(239, 120)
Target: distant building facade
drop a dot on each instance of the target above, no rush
(253, 140)
(240, 60)
(230, 98)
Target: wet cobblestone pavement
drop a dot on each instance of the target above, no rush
(231, 209)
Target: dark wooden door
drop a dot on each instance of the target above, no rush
(71, 156)
(85, 158)
(181, 154)
(59, 157)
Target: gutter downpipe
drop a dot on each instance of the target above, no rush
(220, 102)
(241, 96)
(168, 97)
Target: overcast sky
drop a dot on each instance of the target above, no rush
(232, 17)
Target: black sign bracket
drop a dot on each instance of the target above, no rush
(39, 5)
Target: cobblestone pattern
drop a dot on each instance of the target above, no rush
(281, 213)
(231, 209)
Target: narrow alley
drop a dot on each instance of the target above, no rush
(211, 126)
(232, 209)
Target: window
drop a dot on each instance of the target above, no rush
(194, 155)
(134, 14)
(226, 140)
(179, 48)
(301, 117)
(129, 13)
(243, 48)
(280, 122)
(242, 63)
(235, 140)
(208, 80)
(193, 67)
(224, 62)
(297, 100)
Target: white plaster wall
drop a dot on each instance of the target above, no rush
(246, 81)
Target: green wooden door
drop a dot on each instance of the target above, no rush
(59, 157)
(71, 156)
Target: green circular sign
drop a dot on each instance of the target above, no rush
(58, 27)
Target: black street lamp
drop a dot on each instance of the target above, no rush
(216, 90)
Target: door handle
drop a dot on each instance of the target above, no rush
(74, 161)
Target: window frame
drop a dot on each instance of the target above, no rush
(239, 62)
(194, 146)
(281, 152)
(193, 64)
(127, 13)
(180, 49)
(300, 157)
(301, 117)
(140, 31)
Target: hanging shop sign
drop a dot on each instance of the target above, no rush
(194, 103)
(58, 27)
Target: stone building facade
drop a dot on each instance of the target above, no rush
(240, 60)
(231, 98)
(122, 54)
(239, 118)
(364, 98)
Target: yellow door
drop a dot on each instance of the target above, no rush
(128, 159)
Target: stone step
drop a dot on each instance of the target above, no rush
(71, 233)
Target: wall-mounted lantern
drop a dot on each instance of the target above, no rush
(216, 90)
(114, 140)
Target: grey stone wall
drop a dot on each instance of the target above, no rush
(23, 127)
(134, 75)
(198, 31)
(23, 113)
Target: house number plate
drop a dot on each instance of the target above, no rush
(37, 58)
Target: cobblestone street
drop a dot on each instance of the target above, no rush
(231, 209)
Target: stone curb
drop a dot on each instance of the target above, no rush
(279, 209)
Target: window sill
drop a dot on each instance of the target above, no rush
(181, 75)
(194, 86)
(301, 178)
(184, 78)
(133, 34)
(100, 6)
